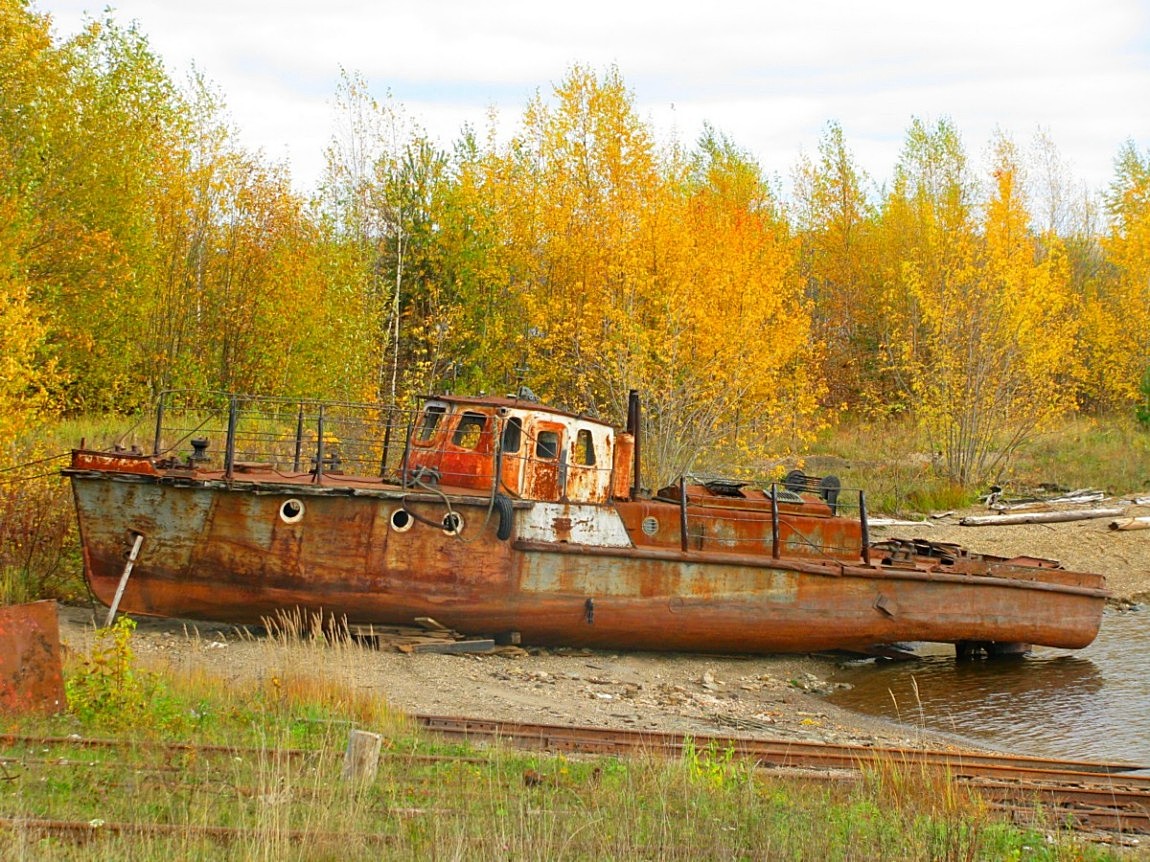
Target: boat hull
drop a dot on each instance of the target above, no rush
(237, 552)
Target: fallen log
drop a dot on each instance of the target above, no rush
(1131, 524)
(1076, 498)
(1039, 517)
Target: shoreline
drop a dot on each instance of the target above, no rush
(774, 696)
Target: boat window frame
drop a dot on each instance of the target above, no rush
(428, 427)
(512, 433)
(584, 442)
(470, 422)
(552, 451)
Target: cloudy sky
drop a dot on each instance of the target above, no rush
(770, 75)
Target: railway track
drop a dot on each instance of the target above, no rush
(1089, 795)
(1086, 795)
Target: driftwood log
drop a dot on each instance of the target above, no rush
(1039, 517)
(1131, 524)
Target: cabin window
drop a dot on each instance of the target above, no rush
(512, 435)
(547, 445)
(469, 429)
(584, 454)
(431, 417)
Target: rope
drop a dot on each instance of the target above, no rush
(457, 534)
(25, 466)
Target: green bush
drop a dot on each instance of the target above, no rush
(1142, 411)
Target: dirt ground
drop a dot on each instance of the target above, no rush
(773, 696)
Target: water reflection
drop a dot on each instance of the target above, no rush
(1092, 703)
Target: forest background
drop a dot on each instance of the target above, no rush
(141, 249)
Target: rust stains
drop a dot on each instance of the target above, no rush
(31, 675)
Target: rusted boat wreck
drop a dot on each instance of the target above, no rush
(499, 515)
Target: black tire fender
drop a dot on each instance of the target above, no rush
(503, 506)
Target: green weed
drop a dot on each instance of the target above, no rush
(280, 789)
(108, 690)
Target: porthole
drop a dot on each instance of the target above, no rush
(291, 511)
(650, 526)
(401, 520)
(453, 523)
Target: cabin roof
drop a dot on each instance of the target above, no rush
(516, 403)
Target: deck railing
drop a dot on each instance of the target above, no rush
(722, 522)
(369, 442)
(290, 436)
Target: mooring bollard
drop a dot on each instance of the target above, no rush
(361, 760)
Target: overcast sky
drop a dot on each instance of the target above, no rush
(769, 75)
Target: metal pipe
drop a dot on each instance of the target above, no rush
(124, 578)
(865, 528)
(683, 513)
(634, 420)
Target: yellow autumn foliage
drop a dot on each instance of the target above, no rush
(141, 248)
(988, 324)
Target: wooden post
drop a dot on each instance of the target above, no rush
(361, 760)
(124, 578)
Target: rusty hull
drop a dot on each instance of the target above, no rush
(507, 516)
(224, 552)
(31, 674)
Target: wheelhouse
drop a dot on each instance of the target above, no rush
(520, 449)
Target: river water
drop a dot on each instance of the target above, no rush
(1091, 704)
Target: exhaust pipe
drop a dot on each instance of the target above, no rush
(634, 420)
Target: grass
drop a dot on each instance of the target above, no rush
(891, 460)
(278, 793)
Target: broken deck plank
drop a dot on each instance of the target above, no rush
(480, 645)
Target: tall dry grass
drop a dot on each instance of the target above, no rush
(277, 792)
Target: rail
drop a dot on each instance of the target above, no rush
(281, 434)
(747, 510)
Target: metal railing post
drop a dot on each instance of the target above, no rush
(319, 447)
(298, 440)
(230, 448)
(386, 442)
(865, 528)
(406, 452)
(159, 424)
(683, 513)
(775, 520)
